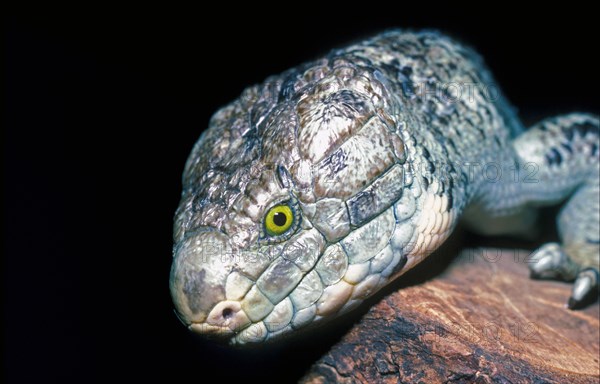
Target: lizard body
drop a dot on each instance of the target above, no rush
(318, 187)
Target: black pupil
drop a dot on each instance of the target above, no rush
(279, 219)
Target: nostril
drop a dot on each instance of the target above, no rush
(227, 313)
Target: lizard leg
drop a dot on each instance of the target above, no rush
(564, 151)
(579, 230)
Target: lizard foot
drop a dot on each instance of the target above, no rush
(551, 262)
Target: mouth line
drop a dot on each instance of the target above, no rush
(210, 330)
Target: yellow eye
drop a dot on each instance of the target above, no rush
(278, 220)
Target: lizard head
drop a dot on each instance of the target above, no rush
(287, 214)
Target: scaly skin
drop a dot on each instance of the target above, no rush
(378, 149)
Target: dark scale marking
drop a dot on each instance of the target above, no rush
(360, 207)
(443, 121)
(407, 85)
(391, 68)
(426, 153)
(594, 149)
(458, 134)
(586, 128)
(464, 177)
(569, 132)
(557, 156)
(567, 147)
(288, 87)
(377, 197)
(431, 166)
(336, 162)
(452, 145)
(442, 187)
(400, 265)
(554, 157)
(287, 91)
(498, 141)
(284, 177)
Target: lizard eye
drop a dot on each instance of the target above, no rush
(279, 219)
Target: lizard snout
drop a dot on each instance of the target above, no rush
(198, 277)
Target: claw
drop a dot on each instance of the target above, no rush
(550, 262)
(585, 288)
(544, 268)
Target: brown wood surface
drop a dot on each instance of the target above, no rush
(481, 321)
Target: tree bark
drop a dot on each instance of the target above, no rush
(481, 321)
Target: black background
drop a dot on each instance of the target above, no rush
(102, 108)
